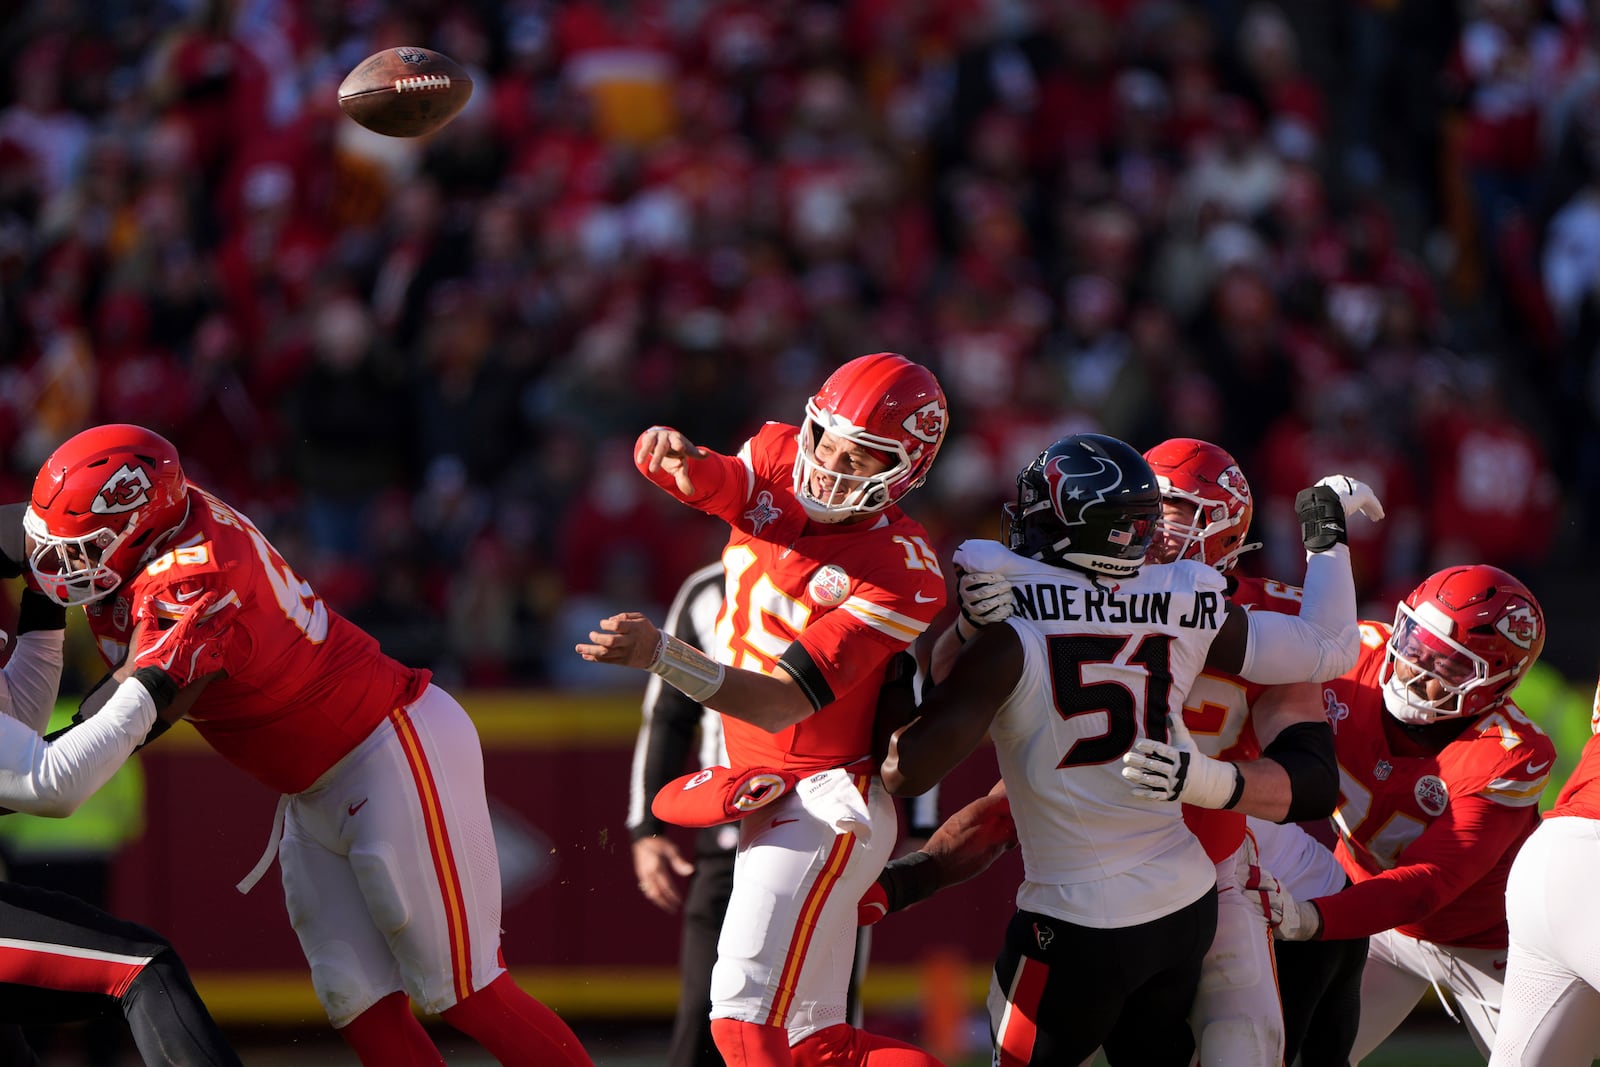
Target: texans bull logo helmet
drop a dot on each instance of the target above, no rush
(1090, 502)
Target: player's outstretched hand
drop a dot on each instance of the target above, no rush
(658, 863)
(195, 645)
(1355, 496)
(1156, 770)
(661, 448)
(627, 640)
(985, 599)
(1290, 919)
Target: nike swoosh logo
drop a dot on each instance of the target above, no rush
(153, 649)
(352, 809)
(190, 595)
(1499, 965)
(920, 599)
(1535, 770)
(781, 822)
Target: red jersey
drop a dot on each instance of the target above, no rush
(1217, 713)
(304, 685)
(1427, 837)
(852, 594)
(1581, 795)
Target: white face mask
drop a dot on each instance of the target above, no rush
(1421, 646)
(840, 495)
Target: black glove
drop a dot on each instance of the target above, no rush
(1322, 521)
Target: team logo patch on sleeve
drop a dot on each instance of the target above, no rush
(126, 490)
(1432, 794)
(829, 586)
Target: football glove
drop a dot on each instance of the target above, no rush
(1290, 919)
(985, 600)
(195, 644)
(1325, 509)
(1156, 770)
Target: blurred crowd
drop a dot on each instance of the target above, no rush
(1359, 237)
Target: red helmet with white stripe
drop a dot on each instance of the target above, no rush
(884, 403)
(1462, 641)
(103, 504)
(1199, 473)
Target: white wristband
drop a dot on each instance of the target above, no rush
(686, 668)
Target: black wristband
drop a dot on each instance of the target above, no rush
(909, 879)
(1322, 518)
(1238, 789)
(163, 690)
(39, 612)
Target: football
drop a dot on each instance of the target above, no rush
(405, 92)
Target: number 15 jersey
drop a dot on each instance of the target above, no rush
(1105, 662)
(851, 594)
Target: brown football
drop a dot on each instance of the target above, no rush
(405, 92)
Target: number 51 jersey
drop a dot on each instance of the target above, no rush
(1105, 662)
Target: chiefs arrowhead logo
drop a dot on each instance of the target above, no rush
(1520, 626)
(926, 423)
(126, 490)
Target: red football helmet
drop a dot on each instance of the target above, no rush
(883, 402)
(1200, 473)
(1463, 640)
(102, 505)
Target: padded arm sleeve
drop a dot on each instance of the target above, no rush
(32, 678)
(1323, 642)
(1305, 752)
(43, 778)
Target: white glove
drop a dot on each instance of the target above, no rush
(832, 796)
(1180, 771)
(1290, 919)
(985, 600)
(1354, 496)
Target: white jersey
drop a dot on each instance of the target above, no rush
(1104, 659)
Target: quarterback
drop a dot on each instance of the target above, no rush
(826, 581)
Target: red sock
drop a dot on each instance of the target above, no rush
(845, 1046)
(388, 1035)
(749, 1045)
(517, 1029)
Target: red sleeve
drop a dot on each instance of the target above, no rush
(1450, 856)
(721, 482)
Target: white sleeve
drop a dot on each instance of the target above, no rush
(1323, 642)
(43, 778)
(32, 677)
